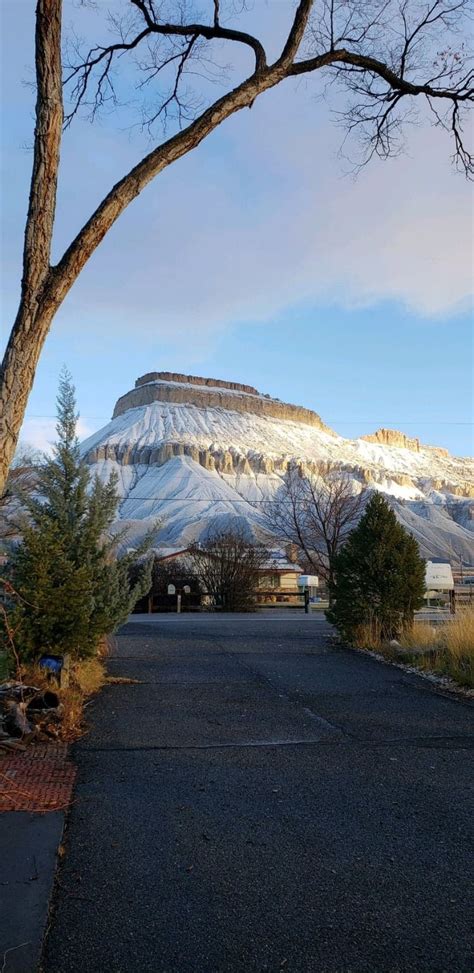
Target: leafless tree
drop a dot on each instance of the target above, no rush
(175, 571)
(170, 571)
(228, 567)
(21, 481)
(385, 54)
(27, 456)
(315, 511)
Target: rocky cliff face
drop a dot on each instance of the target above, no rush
(191, 390)
(222, 460)
(194, 380)
(391, 437)
(195, 451)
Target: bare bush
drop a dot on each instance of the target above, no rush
(21, 481)
(315, 511)
(228, 566)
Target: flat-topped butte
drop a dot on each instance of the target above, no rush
(212, 393)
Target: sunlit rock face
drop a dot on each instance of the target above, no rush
(392, 437)
(192, 453)
(211, 393)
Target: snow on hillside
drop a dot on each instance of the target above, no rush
(191, 467)
(210, 428)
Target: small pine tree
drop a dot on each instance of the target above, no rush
(379, 576)
(71, 589)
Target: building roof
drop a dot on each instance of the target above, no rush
(277, 560)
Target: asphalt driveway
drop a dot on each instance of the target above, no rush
(261, 800)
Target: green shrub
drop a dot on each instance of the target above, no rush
(379, 577)
(69, 588)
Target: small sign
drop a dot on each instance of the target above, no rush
(308, 581)
(171, 589)
(439, 576)
(187, 589)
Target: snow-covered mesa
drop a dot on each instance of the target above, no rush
(192, 454)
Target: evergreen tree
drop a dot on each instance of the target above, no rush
(379, 576)
(71, 589)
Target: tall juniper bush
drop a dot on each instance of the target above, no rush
(69, 587)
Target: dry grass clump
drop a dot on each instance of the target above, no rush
(71, 726)
(89, 676)
(85, 679)
(364, 638)
(457, 641)
(422, 636)
(446, 649)
(459, 634)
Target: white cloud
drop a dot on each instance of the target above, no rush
(258, 219)
(41, 433)
(274, 222)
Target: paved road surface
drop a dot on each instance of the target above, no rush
(264, 801)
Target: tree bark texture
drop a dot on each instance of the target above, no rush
(35, 311)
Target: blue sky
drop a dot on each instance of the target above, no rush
(256, 258)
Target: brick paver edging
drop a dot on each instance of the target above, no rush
(38, 779)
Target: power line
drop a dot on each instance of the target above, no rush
(353, 422)
(198, 500)
(36, 415)
(213, 501)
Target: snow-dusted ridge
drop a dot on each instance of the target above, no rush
(209, 388)
(193, 453)
(213, 393)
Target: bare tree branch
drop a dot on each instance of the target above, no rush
(228, 567)
(384, 53)
(315, 510)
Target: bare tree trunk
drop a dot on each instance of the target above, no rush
(35, 312)
(18, 372)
